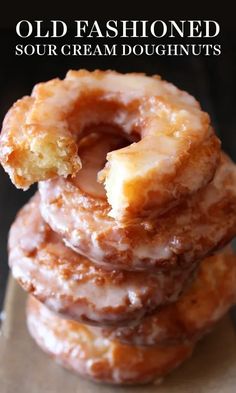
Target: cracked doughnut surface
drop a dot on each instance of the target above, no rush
(173, 137)
(207, 299)
(70, 284)
(192, 230)
(77, 347)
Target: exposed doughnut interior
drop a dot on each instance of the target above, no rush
(93, 149)
(174, 138)
(198, 226)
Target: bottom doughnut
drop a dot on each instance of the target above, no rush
(77, 347)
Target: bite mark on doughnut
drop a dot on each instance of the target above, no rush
(41, 133)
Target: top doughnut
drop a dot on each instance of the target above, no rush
(174, 151)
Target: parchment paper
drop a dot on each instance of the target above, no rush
(25, 369)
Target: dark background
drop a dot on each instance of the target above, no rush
(212, 80)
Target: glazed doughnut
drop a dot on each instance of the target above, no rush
(173, 138)
(70, 284)
(76, 346)
(190, 231)
(206, 300)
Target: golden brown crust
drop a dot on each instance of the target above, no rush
(40, 133)
(188, 232)
(76, 346)
(206, 300)
(72, 285)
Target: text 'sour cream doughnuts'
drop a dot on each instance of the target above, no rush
(70, 284)
(77, 347)
(206, 300)
(174, 139)
(76, 208)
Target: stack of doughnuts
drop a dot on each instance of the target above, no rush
(124, 247)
